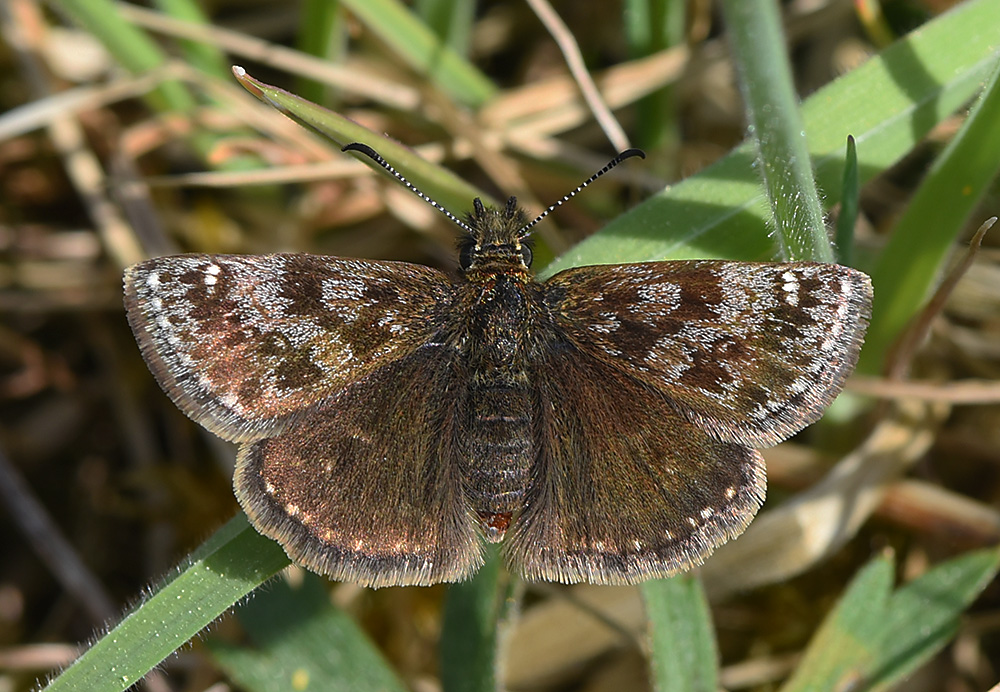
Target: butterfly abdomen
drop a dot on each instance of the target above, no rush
(498, 447)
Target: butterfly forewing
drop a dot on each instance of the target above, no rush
(243, 343)
(753, 352)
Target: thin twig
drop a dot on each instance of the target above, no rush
(961, 392)
(388, 93)
(909, 341)
(574, 60)
(81, 164)
(49, 543)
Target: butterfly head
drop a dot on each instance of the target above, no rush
(496, 237)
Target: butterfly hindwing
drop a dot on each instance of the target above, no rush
(365, 488)
(242, 343)
(624, 488)
(752, 352)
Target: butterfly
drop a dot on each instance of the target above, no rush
(391, 418)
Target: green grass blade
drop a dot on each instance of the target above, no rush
(887, 105)
(473, 612)
(439, 184)
(417, 45)
(924, 615)
(132, 48)
(323, 33)
(652, 26)
(850, 191)
(850, 632)
(450, 20)
(203, 56)
(758, 45)
(922, 241)
(683, 654)
(299, 641)
(226, 568)
(875, 639)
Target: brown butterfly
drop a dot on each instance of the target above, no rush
(391, 417)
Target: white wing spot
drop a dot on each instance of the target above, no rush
(707, 512)
(791, 288)
(212, 272)
(291, 509)
(693, 521)
(230, 401)
(153, 280)
(730, 493)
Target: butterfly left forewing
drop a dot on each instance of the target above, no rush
(244, 343)
(624, 488)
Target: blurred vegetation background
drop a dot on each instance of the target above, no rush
(123, 135)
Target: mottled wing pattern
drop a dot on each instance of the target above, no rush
(751, 352)
(244, 343)
(625, 488)
(364, 488)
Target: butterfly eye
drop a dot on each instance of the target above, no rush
(526, 255)
(466, 255)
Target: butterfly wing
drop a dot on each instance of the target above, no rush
(242, 343)
(365, 487)
(360, 488)
(624, 487)
(675, 371)
(751, 352)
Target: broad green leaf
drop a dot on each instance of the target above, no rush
(911, 263)
(876, 638)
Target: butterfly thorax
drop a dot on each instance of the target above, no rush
(496, 430)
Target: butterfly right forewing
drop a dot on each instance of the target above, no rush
(752, 352)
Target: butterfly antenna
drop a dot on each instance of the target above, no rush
(377, 158)
(627, 154)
